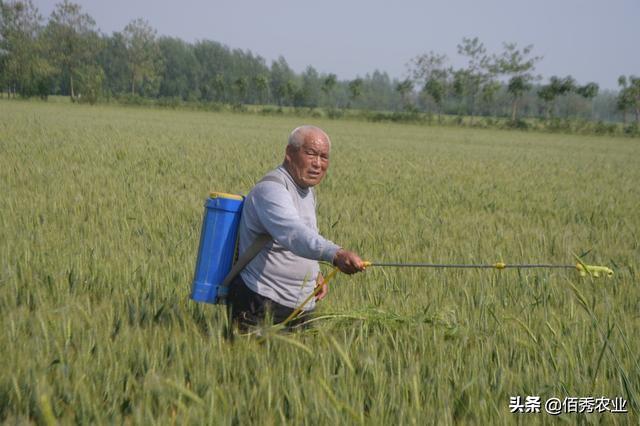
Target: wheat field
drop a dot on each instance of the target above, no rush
(100, 213)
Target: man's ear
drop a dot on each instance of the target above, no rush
(288, 153)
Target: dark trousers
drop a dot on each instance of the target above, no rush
(249, 309)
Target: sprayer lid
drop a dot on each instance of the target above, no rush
(226, 195)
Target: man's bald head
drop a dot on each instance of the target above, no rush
(307, 155)
(304, 133)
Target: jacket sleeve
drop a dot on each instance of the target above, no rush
(279, 217)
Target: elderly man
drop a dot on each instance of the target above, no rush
(283, 206)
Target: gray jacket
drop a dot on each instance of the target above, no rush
(285, 270)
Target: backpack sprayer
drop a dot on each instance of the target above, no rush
(218, 243)
(215, 266)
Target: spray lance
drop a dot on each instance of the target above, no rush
(583, 269)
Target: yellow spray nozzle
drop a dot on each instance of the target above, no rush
(499, 265)
(367, 263)
(593, 270)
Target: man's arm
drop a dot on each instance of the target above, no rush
(281, 220)
(278, 215)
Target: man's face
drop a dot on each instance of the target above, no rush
(309, 163)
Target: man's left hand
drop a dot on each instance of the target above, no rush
(325, 288)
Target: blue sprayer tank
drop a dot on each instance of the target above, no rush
(217, 244)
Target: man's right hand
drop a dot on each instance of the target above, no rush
(348, 262)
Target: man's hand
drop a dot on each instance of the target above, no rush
(320, 283)
(348, 262)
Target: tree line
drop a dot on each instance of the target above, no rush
(68, 55)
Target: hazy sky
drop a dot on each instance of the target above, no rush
(592, 40)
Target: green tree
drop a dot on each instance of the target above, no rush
(212, 60)
(355, 89)
(435, 88)
(488, 95)
(180, 75)
(518, 66)
(589, 91)
(73, 42)
(328, 84)
(240, 87)
(310, 88)
(567, 87)
(143, 55)
(378, 92)
(219, 84)
(477, 73)
(423, 67)
(261, 82)
(629, 96)
(547, 96)
(404, 88)
(291, 92)
(429, 72)
(517, 86)
(244, 64)
(281, 81)
(459, 87)
(23, 67)
(90, 79)
(112, 58)
(556, 87)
